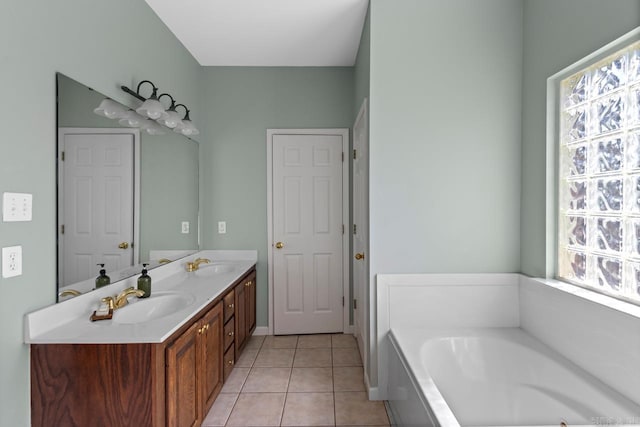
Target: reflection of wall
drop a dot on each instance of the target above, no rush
(104, 45)
(168, 173)
(240, 104)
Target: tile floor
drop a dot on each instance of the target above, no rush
(306, 380)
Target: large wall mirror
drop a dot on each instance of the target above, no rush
(124, 197)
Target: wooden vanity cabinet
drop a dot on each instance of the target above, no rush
(168, 384)
(245, 302)
(194, 370)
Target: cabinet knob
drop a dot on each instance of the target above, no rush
(230, 305)
(200, 330)
(230, 362)
(231, 334)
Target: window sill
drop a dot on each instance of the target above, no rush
(621, 306)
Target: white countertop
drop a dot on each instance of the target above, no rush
(68, 322)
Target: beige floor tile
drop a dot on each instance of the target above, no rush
(355, 409)
(346, 357)
(220, 411)
(247, 358)
(255, 342)
(311, 380)
(284, 341)
(312, 358)
(274, 358)
(257, 409)
(267, 380)
(236, 380)
(348, 379)
(308, 409)
(343, 341)
(314, 341)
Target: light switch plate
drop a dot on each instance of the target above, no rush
(222, 227)
(17, 207)
(185, 227)
(11, 261)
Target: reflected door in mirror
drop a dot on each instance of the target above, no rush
(96, 218)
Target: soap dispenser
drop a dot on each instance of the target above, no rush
(144, 282)
(102, 279)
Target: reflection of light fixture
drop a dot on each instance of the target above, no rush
(153, 109)
(151, 127)
(132, 119)
(110, 109)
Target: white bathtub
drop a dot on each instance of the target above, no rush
(494, 377)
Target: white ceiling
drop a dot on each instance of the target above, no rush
(266, 32)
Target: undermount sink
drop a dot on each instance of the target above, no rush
(215, 268)
(158, 305)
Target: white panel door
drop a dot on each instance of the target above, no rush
(307, 233)
(97, 207)
(361, 226)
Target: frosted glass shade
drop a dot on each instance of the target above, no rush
(152, 128)
(187, 128)
(132, 119)
(110, 109)
(172, 120)
(153, 109)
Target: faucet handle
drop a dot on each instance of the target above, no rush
(110, 302)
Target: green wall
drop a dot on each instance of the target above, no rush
(103, 45)
(240, 104)
(556, 34)
(362, 69)
(445, 136)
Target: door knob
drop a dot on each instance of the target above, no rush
(123, 245)
(359, 256)
(279, 245)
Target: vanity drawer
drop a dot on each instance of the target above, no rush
(229, 361)
(229, 333)
(229, 305)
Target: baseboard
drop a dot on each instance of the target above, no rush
(374, 392)
(261, 330)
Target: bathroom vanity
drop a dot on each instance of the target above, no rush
(161, 361)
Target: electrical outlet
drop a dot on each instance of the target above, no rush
(222, 227)
(17, 207)
(11, 261)
(185, 227)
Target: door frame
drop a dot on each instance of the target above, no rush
(346, 186)
(136, 184)
(364, 292)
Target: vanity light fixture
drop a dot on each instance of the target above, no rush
(152, 128)
(187, 127)
(153, 109)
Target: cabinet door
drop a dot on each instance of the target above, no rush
(211, 367)
(241, 319)
(183, 407)
(250, 297)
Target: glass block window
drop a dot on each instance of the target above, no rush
(599, 180)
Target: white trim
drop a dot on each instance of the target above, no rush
(344, 132)
(552, 144)
(136, 183)
(261, 330)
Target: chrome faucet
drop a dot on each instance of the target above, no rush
(121, 299)
(193, 266)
